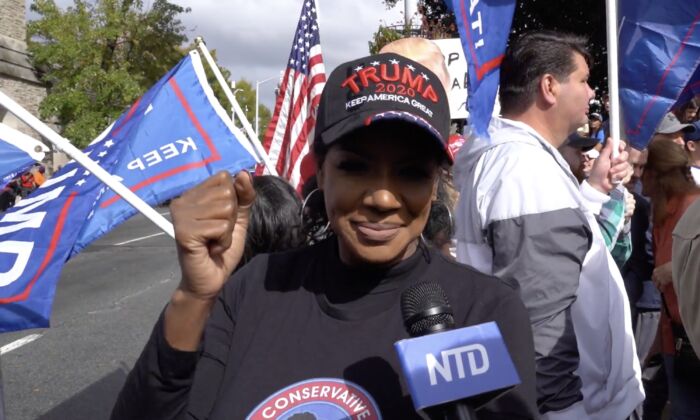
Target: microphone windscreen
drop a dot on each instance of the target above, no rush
(425, 309)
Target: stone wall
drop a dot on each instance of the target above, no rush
(18, 79)
(13, 19)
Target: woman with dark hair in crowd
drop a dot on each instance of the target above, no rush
(687, 113)
(440, 227)
(326, 316)
(668, 183)
(275, 219)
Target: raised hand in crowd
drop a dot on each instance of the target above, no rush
(211, 222)
(607, 171)
(662, 275)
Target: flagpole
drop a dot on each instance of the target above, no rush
(613, 73)
(80, 157)
(252, 136)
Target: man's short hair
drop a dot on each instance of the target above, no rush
(532, 56)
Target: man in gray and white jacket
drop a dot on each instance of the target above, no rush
(522, 216)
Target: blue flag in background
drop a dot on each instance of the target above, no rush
(178, 135)
(174, 137)
(36, 236)
(659, 51)
(692, 89)
(18, 152)
(484, 27)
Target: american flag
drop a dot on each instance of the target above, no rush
(287, 139)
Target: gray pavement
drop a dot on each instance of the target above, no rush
(107, 302)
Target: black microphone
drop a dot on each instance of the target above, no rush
(426, 310)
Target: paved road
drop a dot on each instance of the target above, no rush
(107, 301)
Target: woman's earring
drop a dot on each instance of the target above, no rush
(323, 231)
(306, 200)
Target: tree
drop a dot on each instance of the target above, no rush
(245, 95)
(243, 92)
(583, 17)
(98, 57)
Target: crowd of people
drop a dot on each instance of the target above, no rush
(20, 186)
(585, 257)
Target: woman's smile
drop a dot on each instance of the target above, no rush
(376, 232)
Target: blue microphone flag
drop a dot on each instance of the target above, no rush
(456, 364)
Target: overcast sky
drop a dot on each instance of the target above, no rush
(253, 37)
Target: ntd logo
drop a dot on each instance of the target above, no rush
(457, 354)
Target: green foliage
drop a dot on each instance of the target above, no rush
(98, 57)
(246, 99)
(244, 93)
(383, 36)
(581, 17)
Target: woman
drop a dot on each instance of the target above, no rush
(315, 326)
(687, 113)
(667, 181)
(274, 220)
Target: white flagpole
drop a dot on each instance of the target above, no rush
(31, 146)
(85, 161)
(613, 73)
(252, 137)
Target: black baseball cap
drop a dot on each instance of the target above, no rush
(693, 135)
(580, 142)
(382, 87)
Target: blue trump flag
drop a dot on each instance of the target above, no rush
(659, 52)
(178, 135)
(484, 26)
(174, 137)
(17, 153)
(36, 236)
(691, 90)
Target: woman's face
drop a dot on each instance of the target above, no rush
(689, 115)
(378, 185)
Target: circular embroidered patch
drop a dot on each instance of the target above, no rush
(319, 399)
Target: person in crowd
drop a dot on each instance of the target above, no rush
(685, 263)
(692, 147)
(687, 112)
(523, 217)
(39, 173)
(7, 197)
(439, 229)
(636, 272)
(615, 214)
(671, 129)
(26, 184)
(666, 180)
(275, 222)
(605, 126)
(644, 298)
(580, 153)
(595, 127)
(327, 313)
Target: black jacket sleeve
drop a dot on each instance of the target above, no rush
(519, 402)
(167, 384)
(158, 385)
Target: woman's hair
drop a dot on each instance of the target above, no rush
(440, 226)
(275, 224)
(680, 111)
(313, 214)
(669, 167)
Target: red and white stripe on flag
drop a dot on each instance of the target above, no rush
(291, 130)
